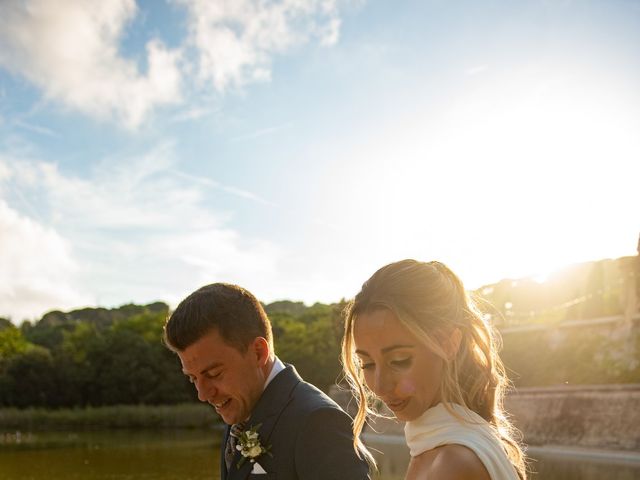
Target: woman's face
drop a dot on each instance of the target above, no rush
(397, 367)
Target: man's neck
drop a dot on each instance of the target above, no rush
(266, 370)
(276, 367)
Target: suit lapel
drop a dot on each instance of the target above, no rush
(266, 413)
(223, 466)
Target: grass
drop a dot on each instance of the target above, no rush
(187, 415)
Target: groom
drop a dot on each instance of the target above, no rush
(278, 426)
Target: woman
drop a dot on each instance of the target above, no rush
(415, 340)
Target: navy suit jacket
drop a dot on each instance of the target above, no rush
(309, 435)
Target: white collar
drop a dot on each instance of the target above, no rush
(277, 367)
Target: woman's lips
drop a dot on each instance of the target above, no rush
(396, 405)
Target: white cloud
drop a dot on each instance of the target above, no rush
(69, 49)
(35, 128)
(476, 70)
(236, 39)
(262, 132)
(207, 182)
(5, 173)
(37, 270)
(192, 113)
(138, 232)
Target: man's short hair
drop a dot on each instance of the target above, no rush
(233, 311)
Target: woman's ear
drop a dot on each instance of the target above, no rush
(452, 344)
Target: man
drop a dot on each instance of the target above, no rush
(291, 429)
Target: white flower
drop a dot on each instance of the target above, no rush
(249, 445)
(255, 451)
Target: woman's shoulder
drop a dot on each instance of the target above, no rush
(448, 462)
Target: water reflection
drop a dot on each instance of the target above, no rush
(120, 455)
(194, 455)
(393, 457)
(557, 468)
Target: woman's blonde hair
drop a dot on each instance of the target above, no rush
(430, 301)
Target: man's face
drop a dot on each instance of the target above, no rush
(230, 380)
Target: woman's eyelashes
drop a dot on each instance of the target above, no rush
(394, 363)
(401, 363)
(366, 365)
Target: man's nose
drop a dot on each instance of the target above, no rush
(205, 389)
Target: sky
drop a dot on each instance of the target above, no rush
(294, 147)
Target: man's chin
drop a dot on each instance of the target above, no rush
(232, 412)
(229, 417)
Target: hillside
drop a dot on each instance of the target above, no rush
(577, 292)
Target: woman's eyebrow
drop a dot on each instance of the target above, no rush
(395, 347)
(387, 349)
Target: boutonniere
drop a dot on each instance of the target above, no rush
(250, 447)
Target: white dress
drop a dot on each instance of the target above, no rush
(437, 427)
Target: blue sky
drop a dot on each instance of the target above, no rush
(294, 147)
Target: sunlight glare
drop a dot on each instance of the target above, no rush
(506, 173)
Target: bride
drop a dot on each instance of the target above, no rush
(415, 340)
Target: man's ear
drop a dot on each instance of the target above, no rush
(452, 344)
(260, 347)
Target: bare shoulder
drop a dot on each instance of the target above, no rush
(449, 462)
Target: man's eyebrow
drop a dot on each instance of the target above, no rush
(387, 349)
(206, 369)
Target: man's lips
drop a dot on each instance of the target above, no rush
(221, 405)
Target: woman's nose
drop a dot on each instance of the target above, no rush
(383, 383)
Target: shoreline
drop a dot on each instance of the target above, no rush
(182, 415)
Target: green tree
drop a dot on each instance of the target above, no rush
(311, 342)
(31, 379)
(12, 343)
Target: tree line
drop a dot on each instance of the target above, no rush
(98, 357)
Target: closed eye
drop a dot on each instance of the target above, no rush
(402, 363)
(366, 364)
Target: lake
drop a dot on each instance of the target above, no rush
(193, 455)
